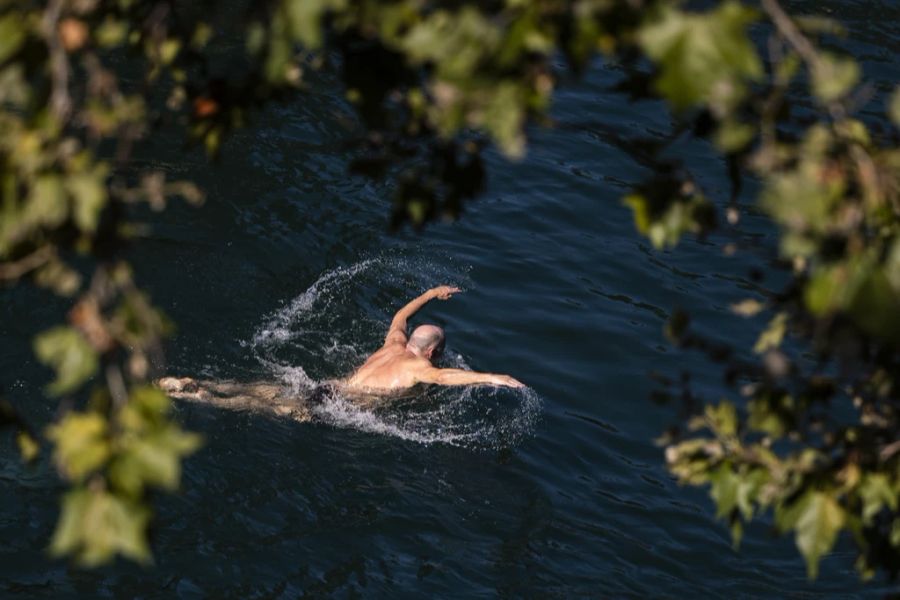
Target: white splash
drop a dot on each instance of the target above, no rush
(339, 320)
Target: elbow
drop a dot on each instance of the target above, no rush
(443, 379)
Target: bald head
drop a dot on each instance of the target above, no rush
(426, 340)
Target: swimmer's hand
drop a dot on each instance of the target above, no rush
(443, 292)
(507, 381)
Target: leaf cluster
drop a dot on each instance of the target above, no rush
(433, 83)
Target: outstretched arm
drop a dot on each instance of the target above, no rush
(398, 324)
(461, 377)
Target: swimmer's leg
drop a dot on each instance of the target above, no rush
(231, 395)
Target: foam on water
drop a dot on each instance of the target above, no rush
(333, 325)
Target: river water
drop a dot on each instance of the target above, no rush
(288, 273)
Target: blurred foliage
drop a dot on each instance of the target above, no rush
(811, 434)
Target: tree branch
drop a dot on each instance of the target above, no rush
(60, 102)
(26, 264)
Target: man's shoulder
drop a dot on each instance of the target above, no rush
(415, 363)
(396, 337)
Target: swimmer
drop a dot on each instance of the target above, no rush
(403, 362)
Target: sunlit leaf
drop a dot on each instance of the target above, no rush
(88, 192)
(817, 519)
(703, 57)
(771, 337)
(95, 525)
(835, 77)
(876, 493)
(28, 446)
(153, 459)
(894, 106)
(81, 444)
(47, 201)
(733, 136)
(64, 349)
(12, 34)
(305, 18)
(111, 32)
(724, 490)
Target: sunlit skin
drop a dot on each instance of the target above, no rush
(404, 361)
(401, 363)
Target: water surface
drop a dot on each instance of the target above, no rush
(288, 273)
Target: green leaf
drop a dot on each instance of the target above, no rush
(168, 50)
(724, 489)
(764, 414)
(876, 493)
(74, 360)
(95, 526)
(505, 117)
(773, 334)
(12, 34)
(153, 460)
(722, 418)
(748, 489)
(305, 19)
(455, 42)
(816, 518)
(111, 32)
(28, 446)
(82, 444)
(664, 222)
(59, 277)
(47, 202)
(733, 136)
(834, 77)
(703, 58)
(737, 533)
(894, 106)
(88, 192)
(894, 537)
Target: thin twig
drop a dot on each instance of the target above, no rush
(791, 33)
(28, 263)
(60, 102)
(801, 44)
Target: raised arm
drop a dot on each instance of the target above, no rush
(461, 377)
(397, 331)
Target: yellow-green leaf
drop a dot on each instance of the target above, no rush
(47, 201)
(82, 445)
(894, 106)
(703, 58)
(12, 34)
(834, 77)
(816, 518)
(773, 334)
(88, 192)
(74, 360)
(28, 446)
(95, 525)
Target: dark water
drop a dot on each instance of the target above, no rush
(288, 273)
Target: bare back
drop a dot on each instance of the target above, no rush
(392, 367)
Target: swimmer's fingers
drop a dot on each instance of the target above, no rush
(445, 291)
(507, 381)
